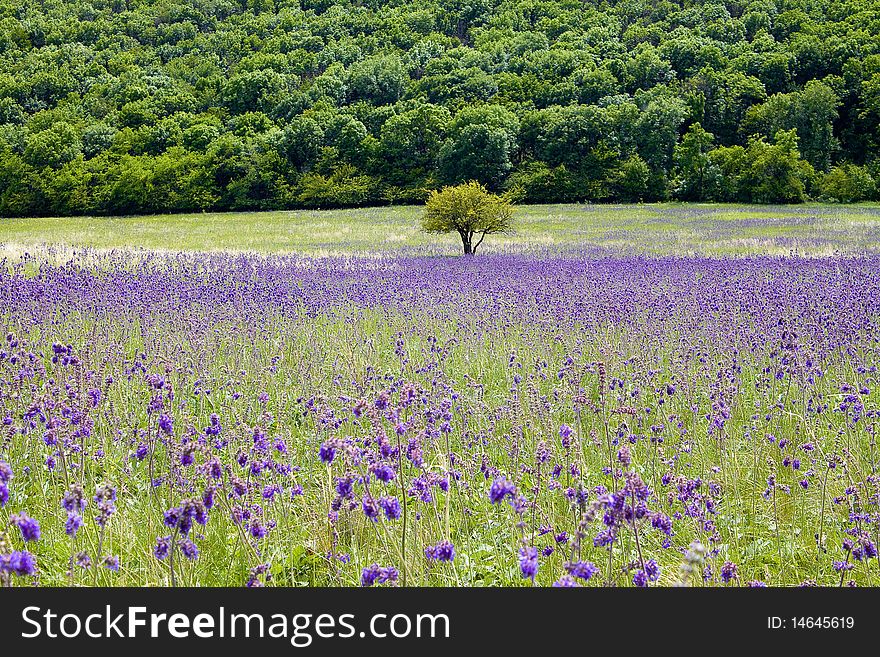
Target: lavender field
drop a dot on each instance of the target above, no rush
(581, 415)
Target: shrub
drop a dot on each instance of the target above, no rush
(847, 183)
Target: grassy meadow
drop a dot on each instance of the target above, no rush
(658, 229)
(649, 395)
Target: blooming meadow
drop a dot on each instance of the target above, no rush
(574, 419)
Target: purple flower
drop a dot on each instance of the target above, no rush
(500, 489)
(254, 580)
(662, 522)
(582, 569)
(73, 523)
(443, 551)
(528, 562)
(258, 530)
(391, 507)
(376, 574)
(172, 517)
(105, 499)
(166, 424)
(83, 560)
(189, 549)
(327, 453)
(369, 575)
(728, 572)
(640, 579)
(74, 499)
(604, 538)
(383, 472)
(30, 528)
(163, 545)
(214, 469)
(371, 509)
(208, 499)
(18, 563)
(542, 452)
(94, 397)
(344, 487)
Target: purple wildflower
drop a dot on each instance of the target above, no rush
(166, 424)
(30, 528)
(443, 551)
(18, 563)
(528, 562)
(582, 569)
(500, 489)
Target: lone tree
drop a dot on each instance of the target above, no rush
(468, 210)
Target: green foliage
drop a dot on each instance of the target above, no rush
(692, 164)
(537, 182)
(847, 183)
(775, 173)
(480, 146)
(21, 193)
(561, 101)
(52, 147)
(379, 79)
(479, 152)
(469, 210)
(810, 112)
(254, 90)
(301, 142)
(410, 143)
(630, 181)
(761, 173)
(345, 187)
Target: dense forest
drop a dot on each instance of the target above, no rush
(132, 106)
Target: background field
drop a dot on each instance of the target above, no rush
(659, 229)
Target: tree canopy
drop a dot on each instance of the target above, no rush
(129, 106)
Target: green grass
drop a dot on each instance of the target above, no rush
(668, 229)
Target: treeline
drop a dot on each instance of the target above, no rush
(135, 106)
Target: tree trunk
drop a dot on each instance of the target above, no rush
(466, 243)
